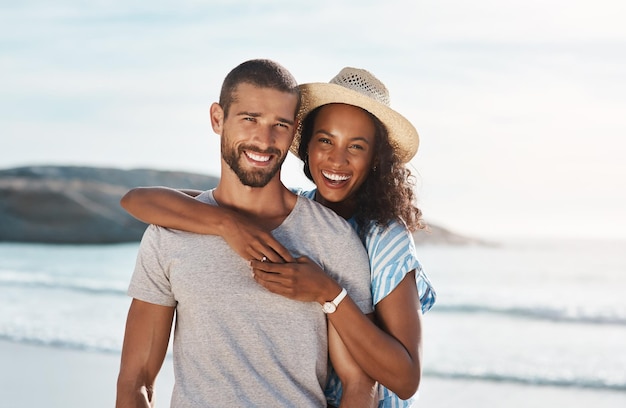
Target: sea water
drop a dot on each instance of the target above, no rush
(533, 312)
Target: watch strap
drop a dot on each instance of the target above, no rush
(340, 297)
(331, 307)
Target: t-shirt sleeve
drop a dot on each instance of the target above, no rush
(150, 281)
(392, 254)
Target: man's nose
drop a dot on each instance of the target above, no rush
(265, 136)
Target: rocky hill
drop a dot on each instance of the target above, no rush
(437, 235)
(80, 205)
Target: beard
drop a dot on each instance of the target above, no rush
(251, 178)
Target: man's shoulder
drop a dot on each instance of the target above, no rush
(323, 217)
(326, 232)
(332, 243)
(157, 236)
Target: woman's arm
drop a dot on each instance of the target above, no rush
(176, 209)
(391, 353)
(358, 389)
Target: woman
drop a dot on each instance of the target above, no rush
(354, 148)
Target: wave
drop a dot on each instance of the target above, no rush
(91, 346)
(554, 314)
(615, 316)
(91, 286)
(589, 383)
(579, 382)
(595, 383)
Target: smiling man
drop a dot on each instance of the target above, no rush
(235, 343)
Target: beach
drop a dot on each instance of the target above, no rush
(33, 376)
(520, 324)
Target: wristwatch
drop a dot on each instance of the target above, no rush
(330, 307)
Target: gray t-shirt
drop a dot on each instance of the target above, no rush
(235, 343)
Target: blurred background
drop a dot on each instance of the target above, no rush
(520, 109)
(519, 104)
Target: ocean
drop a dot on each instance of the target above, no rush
(531, 312)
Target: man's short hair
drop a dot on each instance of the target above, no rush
(262, 73)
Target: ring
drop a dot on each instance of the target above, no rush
(264, 259)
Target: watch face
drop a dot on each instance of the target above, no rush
(329, 307)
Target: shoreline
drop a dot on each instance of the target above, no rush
(448, 393)
(34, 375)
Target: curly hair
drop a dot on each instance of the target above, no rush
(387, 192)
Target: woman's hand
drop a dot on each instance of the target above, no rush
(301, 280)
(250, 241)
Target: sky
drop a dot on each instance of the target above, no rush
(520, 105)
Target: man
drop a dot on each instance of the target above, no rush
(236, 344)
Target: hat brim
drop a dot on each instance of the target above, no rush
(402, 134)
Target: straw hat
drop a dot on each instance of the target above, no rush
(358, 87)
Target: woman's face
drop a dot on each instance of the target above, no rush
(341, 152)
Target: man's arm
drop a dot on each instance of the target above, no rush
(358, 389)
(147, 335)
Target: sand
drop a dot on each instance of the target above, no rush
(32, 376)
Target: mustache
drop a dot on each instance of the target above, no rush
(269, 150)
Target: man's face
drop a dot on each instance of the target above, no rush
(257, 133)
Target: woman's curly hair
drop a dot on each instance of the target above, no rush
(387, 193)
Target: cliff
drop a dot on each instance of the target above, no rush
(80, 205)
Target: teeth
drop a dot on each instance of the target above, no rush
(258, 157)
(335, 177)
